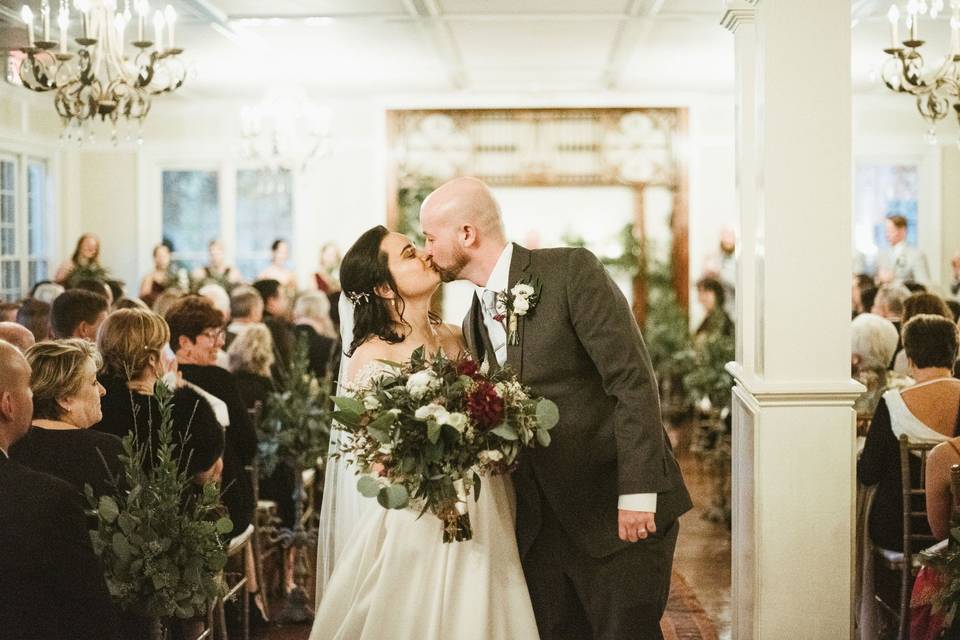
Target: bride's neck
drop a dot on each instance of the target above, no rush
(416, 314)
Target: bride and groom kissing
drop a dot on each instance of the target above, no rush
(578, 542)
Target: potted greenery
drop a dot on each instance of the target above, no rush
(159, 537)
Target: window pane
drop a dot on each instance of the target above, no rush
(191, 213)
(10, 280)
(37, 271)
(8, 245)
(8, 176)
(264, 214)
(36, 209)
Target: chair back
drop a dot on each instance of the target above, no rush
(914, 496)
(955, 492)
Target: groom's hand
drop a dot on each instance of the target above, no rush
(636, 525)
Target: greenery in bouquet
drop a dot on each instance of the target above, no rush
(82, 272)
(159, 537)
(296, 419)
(709, 378)
(427, 430)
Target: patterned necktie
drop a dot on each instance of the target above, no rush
(489, 301)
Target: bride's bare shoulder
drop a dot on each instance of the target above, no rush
(370, 351)
(452, 340)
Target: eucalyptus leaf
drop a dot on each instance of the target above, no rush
(543, 437)
(121, 547)
(505, 431)
(224, 525)
(348, 403)
(127, 523)
(368, 486)
(108, 509)
(548, 415)
(394, 496)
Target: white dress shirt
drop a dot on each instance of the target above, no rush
(498, 281)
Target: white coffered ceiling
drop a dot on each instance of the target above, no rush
(237, 47)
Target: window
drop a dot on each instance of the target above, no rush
(264, 214)
(24, 224)
(191, 214)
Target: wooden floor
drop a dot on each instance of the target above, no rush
(703, 558)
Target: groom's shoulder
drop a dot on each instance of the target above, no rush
(564, 257)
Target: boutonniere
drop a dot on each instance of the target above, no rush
(519, 301)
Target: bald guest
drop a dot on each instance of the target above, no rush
(51, 585)
(17, 335)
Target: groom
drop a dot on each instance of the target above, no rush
(597, 510)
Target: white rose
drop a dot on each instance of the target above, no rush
(522, 290)
(520, 306)
(491, 455)
(432, 410)
(420, 382)
(456, 420)
(370, 403)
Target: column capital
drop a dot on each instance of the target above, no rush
(738, 12)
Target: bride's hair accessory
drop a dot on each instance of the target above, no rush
(358, 298)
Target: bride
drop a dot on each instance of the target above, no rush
(393, 576)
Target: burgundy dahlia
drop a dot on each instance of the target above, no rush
(485, 406)
(468, 368)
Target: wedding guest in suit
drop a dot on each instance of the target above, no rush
(246, 310)
(78, 314)
(916, 304)
(51, 583)
(17, 335)
(161, 278)
(99, 287)
(311, 316)
(901, 262)
(597, 510)
(196, 336)
(131, 343)
(66, 403)
(924, 412)
(35, 316)
(276, 314)
(217, 270)
(84, 263)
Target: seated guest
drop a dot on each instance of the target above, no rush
(96, 286)
(913, 306)
(17, 335)
(46, 291)
(66, 403)
(276, 311)
(130, 303)
(873, 341)
(924, 412)
(251, 355)
(954, 307)
(861, 283)
(889, 304)
(34, 315)
(311, 317)
(196, 336)
(78, 314)
(52, 583)
(246, 309)
(131, 343)
(8, 311)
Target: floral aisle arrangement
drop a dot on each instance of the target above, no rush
(424, 433)
(295, 427)
(159, 537)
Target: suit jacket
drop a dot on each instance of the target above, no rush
(580, 346)
(909, 266)
(51, 584)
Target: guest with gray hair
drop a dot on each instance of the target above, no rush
(246, 309)
(47, 291)
(311, 317)
(873, 342)
(889, 302)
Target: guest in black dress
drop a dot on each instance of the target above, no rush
(196, 337)
(311, 316)
(51, 585)
(66, 402)
(251, 355)
(276, 315)
(925, 412)
(131, 343)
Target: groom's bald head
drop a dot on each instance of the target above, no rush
(463, 227)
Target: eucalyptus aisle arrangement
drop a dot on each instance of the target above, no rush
(425, 432)
(159, 537)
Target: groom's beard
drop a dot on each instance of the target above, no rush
(451, 272)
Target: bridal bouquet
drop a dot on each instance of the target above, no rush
(426, 431)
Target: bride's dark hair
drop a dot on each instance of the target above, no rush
(363, 270)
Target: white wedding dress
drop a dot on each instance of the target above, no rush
(397, 580)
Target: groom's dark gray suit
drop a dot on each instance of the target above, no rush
(581, 347)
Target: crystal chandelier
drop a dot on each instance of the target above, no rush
(285, 130)
(905, 71)
(100, 79)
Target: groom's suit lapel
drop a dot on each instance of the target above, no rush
(519, 264)
(476, 336)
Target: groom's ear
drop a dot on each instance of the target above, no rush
(468, 235)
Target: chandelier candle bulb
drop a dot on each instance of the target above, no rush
(142, 9)
(158, 30)
(63, 21)
(894, 17)
(45, 18)
(26, 14)
(171, 17)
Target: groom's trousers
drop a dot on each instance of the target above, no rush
(579, 597)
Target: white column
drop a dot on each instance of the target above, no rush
(793, 459)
